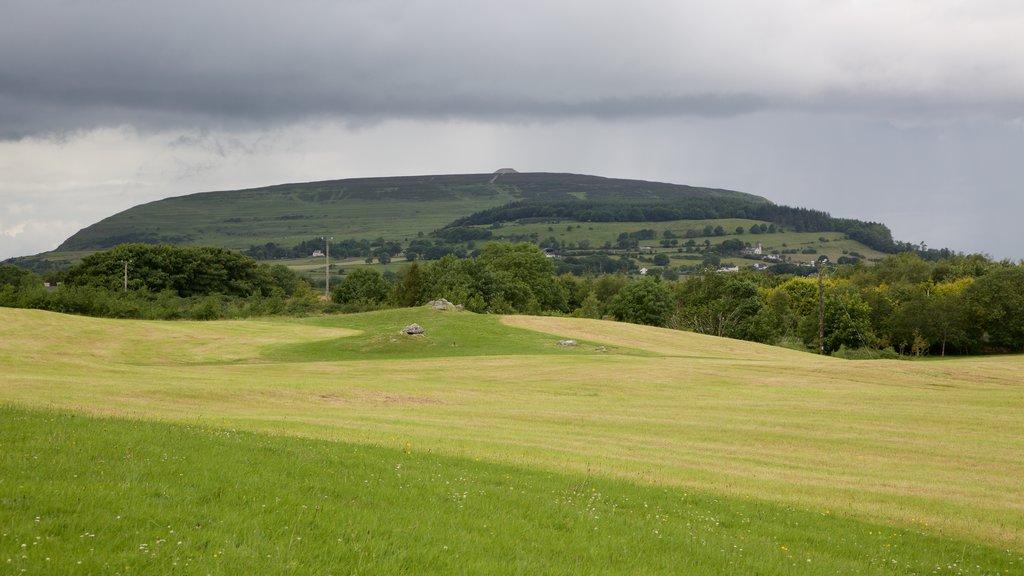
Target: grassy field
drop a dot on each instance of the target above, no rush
(597, 233)
(886, 466)
(113, 496)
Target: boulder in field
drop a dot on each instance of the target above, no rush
(413, 330)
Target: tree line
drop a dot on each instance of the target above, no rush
(903, 305)
(161, 282)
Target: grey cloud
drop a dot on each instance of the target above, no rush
(239, 64)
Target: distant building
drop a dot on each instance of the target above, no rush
(757, 250)
(317, 254)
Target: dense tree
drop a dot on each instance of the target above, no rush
(460, 281)
(408, 288)
(644, 301)
(948, 315)
(11, 275)
(996, 302)
(847, 321)
(20, 288)
(522, 273)
(189, 271)
(720, 305)
(362, 286)
(905, 268)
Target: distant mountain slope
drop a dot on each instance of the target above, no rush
(392, 208)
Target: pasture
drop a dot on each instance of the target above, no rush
(597, 233)
(869, 466)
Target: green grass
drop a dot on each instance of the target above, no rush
(931, 447)
(598, 233)
(83, 495)
(448, 334)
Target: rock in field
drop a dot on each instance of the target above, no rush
(413, 330)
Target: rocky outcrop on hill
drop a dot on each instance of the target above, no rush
(442, 304)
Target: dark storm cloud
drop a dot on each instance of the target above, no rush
(71, 65)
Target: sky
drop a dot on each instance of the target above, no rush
(905, 112)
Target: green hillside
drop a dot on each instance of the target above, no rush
(390, 208)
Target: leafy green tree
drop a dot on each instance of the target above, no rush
(607, 286)
(996, 302)
(590, 307)
(948, 313)
(576, 288)
(189, 271)
(802, 294)
(362, 286)
(11, 275)
(904, 268)
(522, 272)
(408, 287)
(461, 281)
(720, 305)
(645, 301)
(847, 321)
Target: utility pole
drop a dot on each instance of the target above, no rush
(327, 266)
(821, 308)
(126, 263)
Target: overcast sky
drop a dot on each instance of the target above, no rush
(906, 112)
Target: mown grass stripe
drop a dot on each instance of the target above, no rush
(86, 495)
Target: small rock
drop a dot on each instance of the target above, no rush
(567, 342)
(412, 330)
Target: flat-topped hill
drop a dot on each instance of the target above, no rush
(393, 208)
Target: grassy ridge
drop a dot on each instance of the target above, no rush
(88, 495)
(898, 443)
(392, 208)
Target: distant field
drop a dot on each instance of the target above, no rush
(597, 233)
(927, 447)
